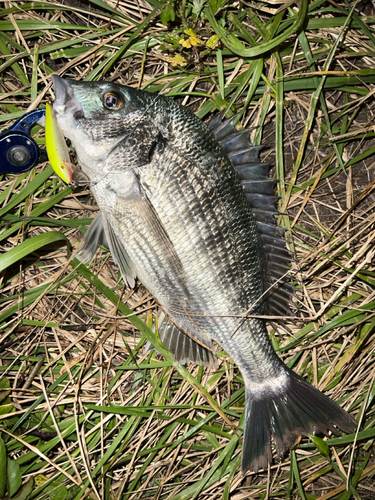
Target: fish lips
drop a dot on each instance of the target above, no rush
(66, 103)
(66, 111)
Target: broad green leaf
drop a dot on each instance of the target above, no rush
(321, 445)
(57, 491)
(3, 467)
(4, 384)
(26, 191)
(130, 40)
(226, 453)
(25, 490)
(34, 25)
(220, 71)
(6, 408)
(14, 477)
(15, 66)
(38, 210)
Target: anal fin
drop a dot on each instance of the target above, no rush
(183, 347)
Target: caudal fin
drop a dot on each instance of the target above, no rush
(286, 413)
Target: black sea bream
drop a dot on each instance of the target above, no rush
(177, 203)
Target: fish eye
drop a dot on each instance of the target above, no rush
(112, 101)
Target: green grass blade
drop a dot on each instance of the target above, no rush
(28, 247)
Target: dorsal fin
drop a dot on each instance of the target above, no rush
(259, 189)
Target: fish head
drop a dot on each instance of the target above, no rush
(98, 117)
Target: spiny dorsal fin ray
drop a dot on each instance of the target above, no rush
(280, 252)
(271, 229)
(256, 186)
(259, 189)
(274, 240)
(217, 120)
(222, 128)
(237, 140)
(266, 216)
(262, 202)
(245, 155)
(248, 171)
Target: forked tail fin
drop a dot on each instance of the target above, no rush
(286, 413)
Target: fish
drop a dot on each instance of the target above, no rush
(189, 210)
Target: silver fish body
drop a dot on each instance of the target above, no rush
(175, 215)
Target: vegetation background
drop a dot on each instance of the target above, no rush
(85, 413)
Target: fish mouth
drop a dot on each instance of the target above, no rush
(61, 121)
(66, 103)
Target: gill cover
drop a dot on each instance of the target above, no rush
(57, 150)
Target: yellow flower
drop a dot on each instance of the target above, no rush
(177, 60)
(185, 43)
(40, 479)
(192, 41)
(213, 42)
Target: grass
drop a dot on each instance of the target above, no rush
(85, 413)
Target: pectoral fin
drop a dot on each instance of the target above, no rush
(100, 232)
(120, 255)
(134, 205)
(95, 236)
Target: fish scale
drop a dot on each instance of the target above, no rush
(209, 215)
(206, 219)
(181, 241)
(177, 215)
(211, 221)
